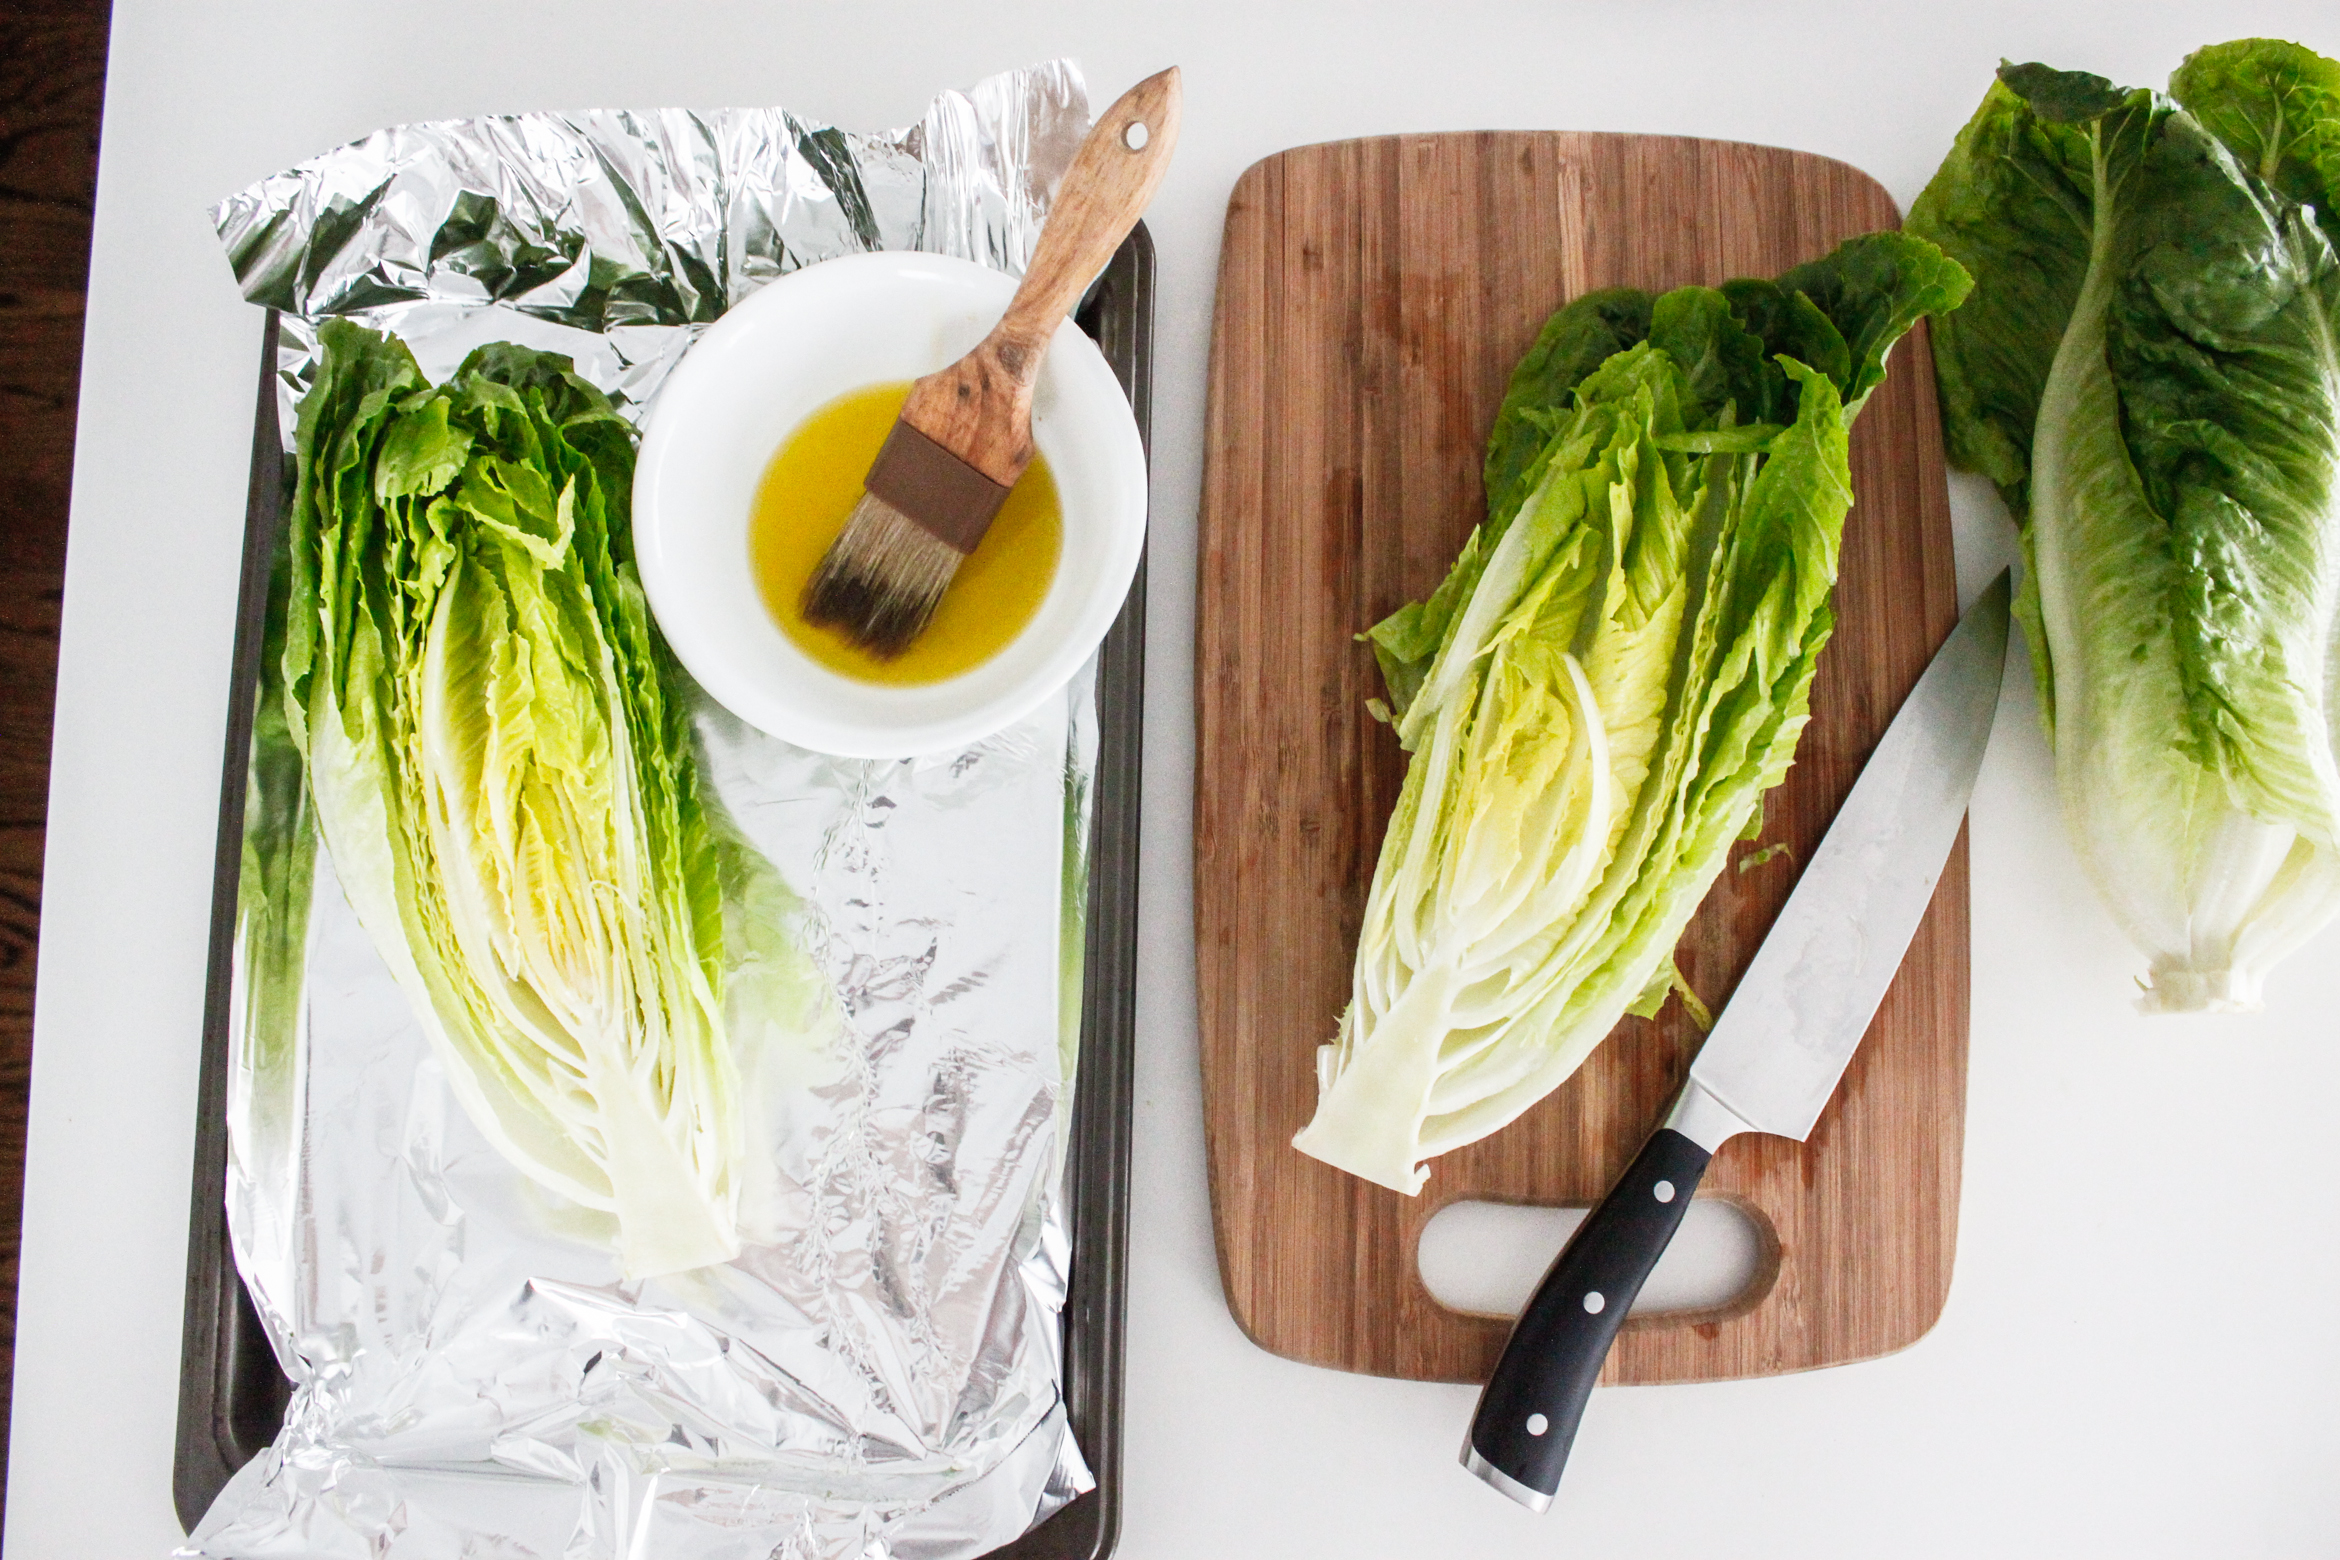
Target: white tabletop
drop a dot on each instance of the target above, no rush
(2140, 1350)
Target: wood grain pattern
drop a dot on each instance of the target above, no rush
(52, 73)
(980, 408)
(1373, 297)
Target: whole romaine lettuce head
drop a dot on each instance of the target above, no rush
(2150, 371)
(1601, 691)
(503, 774)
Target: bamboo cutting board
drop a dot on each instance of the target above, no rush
(1373, 297)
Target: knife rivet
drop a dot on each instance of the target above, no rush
(1593, 1301)
(1537, 1424)
(1664, 1190)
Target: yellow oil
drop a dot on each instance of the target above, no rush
(802, 502)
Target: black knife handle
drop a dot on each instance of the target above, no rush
(1527, 1415)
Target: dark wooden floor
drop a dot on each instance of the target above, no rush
(52, 74)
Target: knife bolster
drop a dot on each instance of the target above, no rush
(1703, 1119)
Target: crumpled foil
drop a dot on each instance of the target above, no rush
(877, 1374)
(617, 235)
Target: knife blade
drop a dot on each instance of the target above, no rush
(1775, 1054)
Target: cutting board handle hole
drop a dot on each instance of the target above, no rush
(1485, 1258)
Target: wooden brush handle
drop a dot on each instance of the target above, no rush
(980, 408)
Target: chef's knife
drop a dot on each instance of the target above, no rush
(1774, 1057)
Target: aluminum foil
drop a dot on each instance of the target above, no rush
(617, 235)
(878, 1373)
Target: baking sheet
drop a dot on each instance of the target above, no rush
(227, 1399)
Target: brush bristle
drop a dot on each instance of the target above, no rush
(881, 579)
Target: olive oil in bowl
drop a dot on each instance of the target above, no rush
(811, 487)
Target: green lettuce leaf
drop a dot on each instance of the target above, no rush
(1573, 342)
(275, 887)
(2276, 107)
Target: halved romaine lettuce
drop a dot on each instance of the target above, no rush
(1605, 685)
(504, 776)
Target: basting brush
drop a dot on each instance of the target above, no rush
(965, 433)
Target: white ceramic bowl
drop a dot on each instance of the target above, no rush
(792, 347)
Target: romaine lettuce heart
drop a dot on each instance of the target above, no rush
(2150, 371)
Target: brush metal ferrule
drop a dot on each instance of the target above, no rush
(929, 485)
